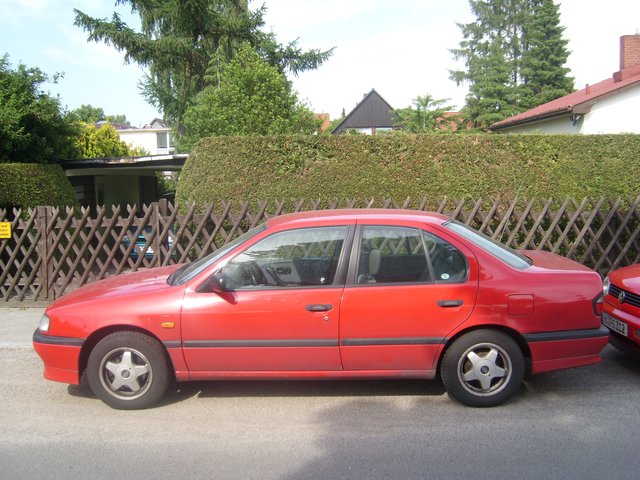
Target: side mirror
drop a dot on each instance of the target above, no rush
(215, 283)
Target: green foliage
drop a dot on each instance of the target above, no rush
(185, 44)
(544, 77)
(32, 125)
(167, 182)
(253, 98)
(29, 185)
(89, 114)
(514, 57)
(119, 119)
(426, 116)
(101, 142)
(397, 166)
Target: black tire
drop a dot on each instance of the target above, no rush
(128, 370)
(483, 368)
(84, 385)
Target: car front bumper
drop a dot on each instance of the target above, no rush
(61, 357)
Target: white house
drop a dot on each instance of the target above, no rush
(609, 106)
(155, 137)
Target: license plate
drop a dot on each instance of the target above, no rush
(614, 324)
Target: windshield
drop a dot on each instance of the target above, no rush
(498, 250)
(191, 270)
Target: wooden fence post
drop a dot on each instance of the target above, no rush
(42, 214)
(160, 211)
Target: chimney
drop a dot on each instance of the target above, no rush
(629, 51)
(629, 58)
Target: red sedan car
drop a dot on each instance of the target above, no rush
(622, 308)
(346, 294)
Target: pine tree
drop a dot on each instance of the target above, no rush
(513, 57)
(544, 77)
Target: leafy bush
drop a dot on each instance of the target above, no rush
(397, 166)
(29, 185)
(33, 125)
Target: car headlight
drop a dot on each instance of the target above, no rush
(45, 323)
(605, 286)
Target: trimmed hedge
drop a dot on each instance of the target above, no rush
(29, 184)
(398, 165)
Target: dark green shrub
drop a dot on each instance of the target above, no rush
(30, 184)
(397, 166)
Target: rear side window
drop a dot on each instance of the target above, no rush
(498, 250)
(391, 254)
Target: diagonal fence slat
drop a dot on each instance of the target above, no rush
(54, 251)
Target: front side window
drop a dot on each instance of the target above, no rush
(191, 270)
(407, 255)
(295, 258)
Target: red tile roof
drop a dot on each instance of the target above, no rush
(577, 102)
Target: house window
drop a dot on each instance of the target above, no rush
(162, 140)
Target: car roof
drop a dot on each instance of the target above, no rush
(353, 215)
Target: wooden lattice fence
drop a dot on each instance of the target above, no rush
(54, 251)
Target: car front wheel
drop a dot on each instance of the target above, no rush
(128, 370)
(483, 368)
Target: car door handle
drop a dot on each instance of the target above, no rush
(319, 307)
(449, 303)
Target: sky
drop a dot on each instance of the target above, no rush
(401, 49)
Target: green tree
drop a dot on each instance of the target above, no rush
(426, 115)
(184, 46)
(544, 76)
(119, 119)
(253, 98)
(501, 49)
(89, 114)
(102, 142)
(33, 126)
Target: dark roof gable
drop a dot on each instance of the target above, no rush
(372, 112)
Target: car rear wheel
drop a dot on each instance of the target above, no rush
(128, 370)
(483, 368)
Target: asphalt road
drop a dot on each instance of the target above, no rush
(580, 423)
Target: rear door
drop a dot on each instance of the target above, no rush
(407, 289)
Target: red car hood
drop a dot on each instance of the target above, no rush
(126, 284)
(552, 261)
(627, 277)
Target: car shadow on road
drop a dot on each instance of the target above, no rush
(294, 388)
(304, 388)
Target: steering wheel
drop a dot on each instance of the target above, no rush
(254, 271)
(274, 274)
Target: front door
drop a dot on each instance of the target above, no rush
(281, 309)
